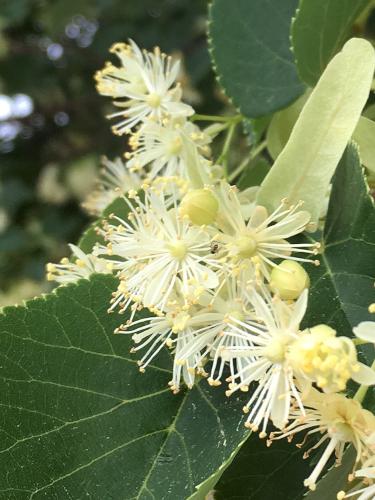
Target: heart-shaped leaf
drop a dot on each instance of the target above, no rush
(250, 49)
(80, 421)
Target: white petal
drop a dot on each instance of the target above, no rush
(365, 375)
(281, 403)
(206, 276)
(365, 331)
(258, 216)
(299, 310)
(289, 226)
(77, 252)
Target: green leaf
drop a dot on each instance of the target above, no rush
(342, 287)
(254, 128)
(335, 480)
(209, 484)
(364, 136)
(249, 42)
(318, 32)
(254, 173)
(304, 168)
(261, 473)
(80, 421)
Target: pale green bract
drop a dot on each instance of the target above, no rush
(305, 167)
(282, 124)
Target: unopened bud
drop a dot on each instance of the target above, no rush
(289, 279)
(200, 206)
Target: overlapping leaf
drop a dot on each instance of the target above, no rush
(79, 421)
(262, 473)
(250, 50)
(319, 31)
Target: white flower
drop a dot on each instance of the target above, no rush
(174, 330)
(194, 333)
(340, 421)
(328, 360)
(222, 309)
(277, 328)
(158, 252)
(367, 472)
(115, 179)
(82, 266)
(253, 245)
(162, 147)
(145, 83)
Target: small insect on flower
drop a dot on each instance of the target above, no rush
(215, 246)
(158, 252)
(115, 179)
(276, 328)
(82, 266)
(340, 421)
(145, 83)
(256, 242)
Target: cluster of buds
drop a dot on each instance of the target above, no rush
(219, 275)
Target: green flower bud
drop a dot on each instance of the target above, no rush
(289, 279)
(200, 206)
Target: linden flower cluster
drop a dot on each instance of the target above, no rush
(219, 276)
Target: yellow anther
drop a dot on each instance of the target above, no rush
(325, 359)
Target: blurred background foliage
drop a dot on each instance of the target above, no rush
(52, 122)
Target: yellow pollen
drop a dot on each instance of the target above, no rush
(179, 322)
(327, 360)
